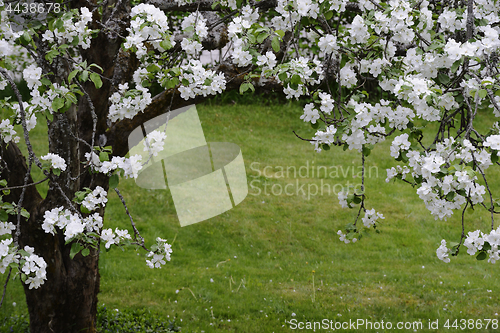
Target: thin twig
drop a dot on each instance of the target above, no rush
(5, 286)
(136, 232)
(21, 186)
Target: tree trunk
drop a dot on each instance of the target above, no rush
(67, 301)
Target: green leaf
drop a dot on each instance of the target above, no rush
(296, 79)
(96, 79)
(84, 209)
(84, 76)
(3, 182)
(172, 83)
(494, 157)
(245, 86)
(103, 156)
(71, 98)
(56, 171)
(280, 33)
(166, 44)
(434, 46)
(49, 116)
(96, 66)
(455, 66)
(3, 216)
(72, 75)
(443, 78)
(366, 151)
(482, 93)
(25, 214)
(59, 24)
(113, 181)
(275, 44)
(261, 37)
(26, 37)
(75, 248)
(325, 146)
(57, 103)
(85, 252)
(481, 255)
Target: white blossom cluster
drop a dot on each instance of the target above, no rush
(76, 26)
(200, 81)
(155, 142)
(6, 228)
(39, 102)
(365, 127)
(95, 198)
(116, 237)
(8, 254)
(371, 217)
(292, 10)
(7, 132)
(128, 166)
(369, 221)
(443, 252)
(32, 266)
(149, 26)
(310, 73)
(56, 161)
(195, 24)
(476, 241)
(446, 182)
(127, 103)
(162, 253)
(268, 62)
(72, 225)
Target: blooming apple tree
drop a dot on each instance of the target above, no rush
(366, 70)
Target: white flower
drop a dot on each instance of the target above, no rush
(328, 43)
(493, 141)
(348, 76)
(154, 142)
(32, 75)
(310, 113)
(95, 198)
(399, 143)
(6, 228)
(371, 218)
(442, 252)
(342, 237)
(108, 237)
(7, 132)
(56, 161)
(160, 255)
(74, 227)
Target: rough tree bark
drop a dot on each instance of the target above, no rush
(67, 301)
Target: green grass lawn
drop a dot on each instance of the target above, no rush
(276, 257)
